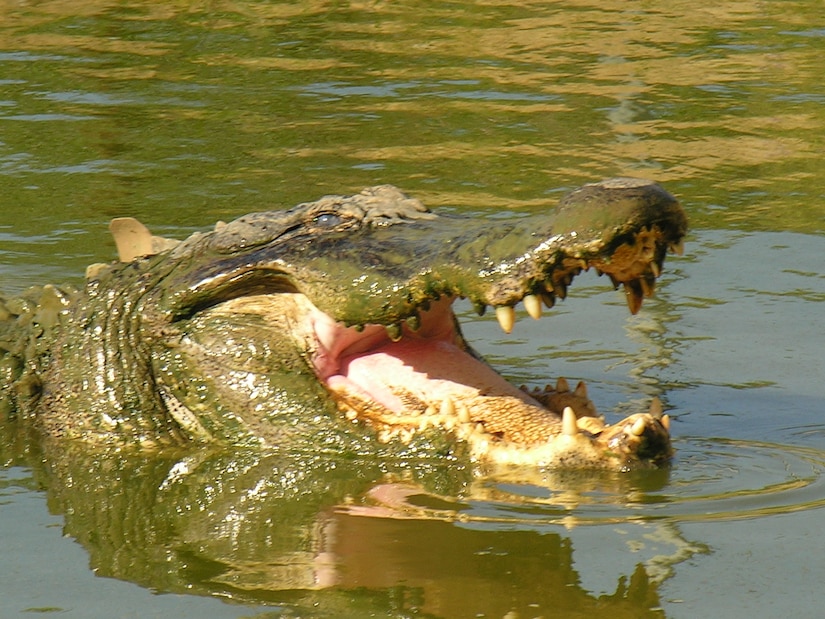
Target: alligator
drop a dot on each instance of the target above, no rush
(330, 326)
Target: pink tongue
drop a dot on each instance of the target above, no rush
(429, 371)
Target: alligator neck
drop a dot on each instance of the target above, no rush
(97, 374)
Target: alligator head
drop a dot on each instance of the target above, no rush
(349, 299)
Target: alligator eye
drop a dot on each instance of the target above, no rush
(327, 220)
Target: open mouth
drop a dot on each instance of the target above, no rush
(371, 313)
(419, 373)
(427, 376)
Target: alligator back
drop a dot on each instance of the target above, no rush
(28, 324)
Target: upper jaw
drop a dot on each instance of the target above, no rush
(635, 263)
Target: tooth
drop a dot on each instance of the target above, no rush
(638, 427)
(548, 388)
(560, 290)
(393, 331)
(677, 248)
(665, 420)
(656, 408)
(463, 414)
(655, 269)
(568, 422)
(633, 296)
(447, 408)
(414, 322)
(562, 385)
(533, 305)
(581, 390)
(648, 285)
(548, 299)
(480, 308)
(506, 317)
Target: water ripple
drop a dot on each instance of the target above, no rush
(712, 480)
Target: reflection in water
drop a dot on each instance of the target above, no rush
(331, 533)
(262, 530)
(310, 532)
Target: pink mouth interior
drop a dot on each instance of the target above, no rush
(427, 365)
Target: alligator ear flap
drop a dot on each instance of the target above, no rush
(134, 240)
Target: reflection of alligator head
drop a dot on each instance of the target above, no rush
(236, 335)
(274, 528)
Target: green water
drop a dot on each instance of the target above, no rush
(182, 114)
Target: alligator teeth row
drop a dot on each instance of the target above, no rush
(454, 416)
(447, 414)
(562, 386)
(643, 271)
(506, 314)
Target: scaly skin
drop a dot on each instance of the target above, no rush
(330, 325)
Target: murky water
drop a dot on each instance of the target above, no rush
(183, 114)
